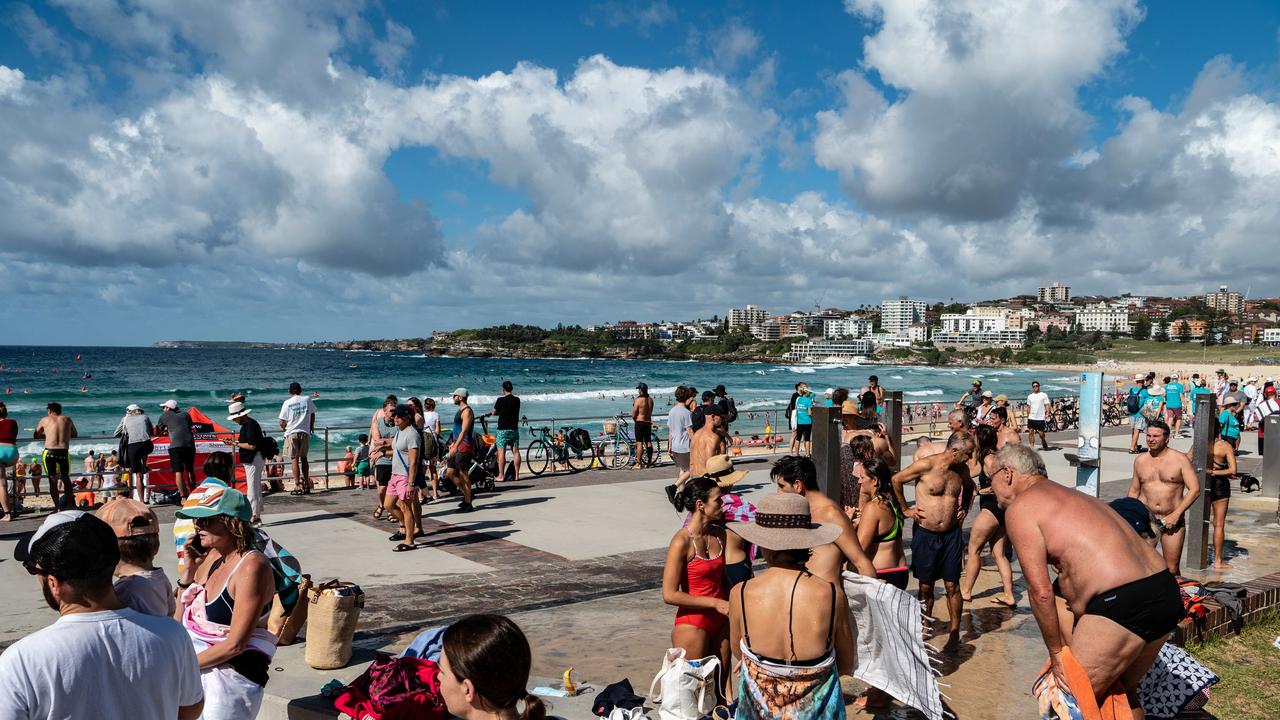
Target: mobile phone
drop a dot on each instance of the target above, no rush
(194, 542)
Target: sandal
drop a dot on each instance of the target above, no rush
(402, 547)
(396, 536)
(377, 513)
(295, 492)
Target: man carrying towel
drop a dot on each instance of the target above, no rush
(1123, 599)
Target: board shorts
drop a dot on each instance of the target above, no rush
(461, 461)
(507, 438)
(399, 487)
(363, 469)
(1175, 414)
(382, 474)
(182, 458)
(804, 432)
(1217, 487)
(644, 431)
(1137, 422)
(296, 445)
(936, 554)
(1037, 425)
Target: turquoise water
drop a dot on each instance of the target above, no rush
(347, 396)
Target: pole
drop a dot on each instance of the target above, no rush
(326, 458)
(1195, 554)
(1271, 458)
(826, 449)
(1088, 441)
(892, 419)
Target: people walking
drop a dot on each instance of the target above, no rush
(680, 428)
(298, 421)
(248, 442)
(462, 449)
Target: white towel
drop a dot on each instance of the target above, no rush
(891, 654)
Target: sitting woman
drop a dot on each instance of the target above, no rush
(227, 591)
(484, 668)
(693, 578)
(802, 643)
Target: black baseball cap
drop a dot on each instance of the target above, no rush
(1134, 513)
(402, 411)
(712, 409)
(707, 395)
(69, 545)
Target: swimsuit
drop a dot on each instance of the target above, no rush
(705, 579)
(1218, 486)
(57, 464)
(1149, 608)
(988, 501)
(252, 665)
(831, 624)
(897, 576)
(738, 572)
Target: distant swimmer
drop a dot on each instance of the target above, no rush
(87, 376)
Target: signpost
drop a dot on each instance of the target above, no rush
(892, 419)
(826, 449)
(1088, 457)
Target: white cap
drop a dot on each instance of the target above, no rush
(170, 404)
(462, 392)
(132, 407)
(1252, 378)
(828, 391)
(1173, 376)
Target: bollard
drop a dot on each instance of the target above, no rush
(826, 450)
(1195, 552)
(1271, 458)
(326, 458)
(892, 419)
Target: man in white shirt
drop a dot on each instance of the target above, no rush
(100, 659)
(298, 421)
(1037, 413)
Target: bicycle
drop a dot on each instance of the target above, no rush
(549, 449)
(618, 448)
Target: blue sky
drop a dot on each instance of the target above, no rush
(326, 170)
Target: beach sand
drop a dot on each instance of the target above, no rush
(1126, 370)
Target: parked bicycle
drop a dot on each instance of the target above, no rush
(618, 447)
(549, 450)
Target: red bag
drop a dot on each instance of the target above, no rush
(394, 688)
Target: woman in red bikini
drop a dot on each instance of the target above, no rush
(693, 579)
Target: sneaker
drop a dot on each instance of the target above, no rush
(671, 494)
(466, 507)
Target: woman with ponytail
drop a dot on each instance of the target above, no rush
(484, 670)
(693, 579)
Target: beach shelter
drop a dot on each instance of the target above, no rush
(210, 437)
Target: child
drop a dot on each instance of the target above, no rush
(347, 466)
(19, 485)
(84, 497)
(34, 471)
(363, 469)
(138, 582)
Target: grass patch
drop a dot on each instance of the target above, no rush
(1249, 667)
(1138, 350)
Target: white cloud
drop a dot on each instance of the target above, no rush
(11, 80)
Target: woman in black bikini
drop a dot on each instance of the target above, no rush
(1218, 491)
(988, 526)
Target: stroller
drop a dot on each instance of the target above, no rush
(484, 465)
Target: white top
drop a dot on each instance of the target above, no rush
(431, 422)
(109, 664)
(147, 592)
(1037, 404)
(679, 420)
(297, 412)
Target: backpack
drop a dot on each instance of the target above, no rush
(732, 415)
(269, 448)
(579, 439)
(1133, 403)
(1151, 411)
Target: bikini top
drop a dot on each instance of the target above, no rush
(222, 606)
(897, 525)
(831, 626)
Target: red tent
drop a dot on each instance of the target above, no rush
(209, 436)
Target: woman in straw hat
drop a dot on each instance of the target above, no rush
(789, 628)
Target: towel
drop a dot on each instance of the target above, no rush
(1077, 702)
(1175, 682)
(890, 652)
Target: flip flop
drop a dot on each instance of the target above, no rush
(402, 547)
(1001, 602)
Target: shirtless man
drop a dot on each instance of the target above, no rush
(957, 421)
(1005, 435)
(708, 441)
(57, 431)
(937, 542)
(797, 475)
(1123, 609)
(642, 415)
(1165, 482)
(925, 447)
(876, 388)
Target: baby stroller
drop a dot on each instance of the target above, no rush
(484, 464)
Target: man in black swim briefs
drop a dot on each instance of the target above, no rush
(1123, 600)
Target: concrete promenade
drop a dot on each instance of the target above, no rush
(576, 560)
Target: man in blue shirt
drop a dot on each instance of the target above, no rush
(1137, 423)
(1173, 390)
(804, 421)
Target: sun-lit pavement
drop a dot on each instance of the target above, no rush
(577, 561)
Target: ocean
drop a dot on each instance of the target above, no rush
(350, 386)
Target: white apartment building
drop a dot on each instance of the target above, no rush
(918, 333)
(845, 327)
(746, 317)
(975, 319)
(1103, 318)
(898, 315)
(829, 350)
(980, 338)
(1055, 293)
(1271, 336)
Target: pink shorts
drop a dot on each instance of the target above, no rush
(399, 487)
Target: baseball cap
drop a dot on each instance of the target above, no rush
(986, 393)
(642, 386)
(828, 391)
(219, 501)
(712, 409)
(1173, 376)
(1252, 378)
(170, 404)
(1139, 376)
(403, 410)
(132, 406)
(977, 383)
(462, 392)
(128, 517)
(69, 545)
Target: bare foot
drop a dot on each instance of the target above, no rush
(1222, 566)
(966, 598)
(953, 640)
(1006, 600)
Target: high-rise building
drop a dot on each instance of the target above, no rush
(1225, 301)
(898, 315)
(746, 317)
(1055, 293)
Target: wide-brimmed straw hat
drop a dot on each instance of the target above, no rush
(237, 410)
(720, 469)
(783, 522)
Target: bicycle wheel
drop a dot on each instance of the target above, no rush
(537, 457)
(577, 459)
(653, 456)
(616, 454)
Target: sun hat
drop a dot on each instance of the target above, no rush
(848, 407)
(1230, 401)
(219, 501)
(69, 545)
(1156, 390)
(720, 469)
(783, 522)
(170, 404)
(1002, 398)
(986, 394)
(237, 410)
(128, 517)
(828, 391)
(461, 392)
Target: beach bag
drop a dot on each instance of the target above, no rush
(331, 623)
(269, 448)
(580, 439)
(1133, 403)
(286, 624)
(1151, 411)
(732, 412)
(685, 690)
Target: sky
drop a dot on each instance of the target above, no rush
(339, 169)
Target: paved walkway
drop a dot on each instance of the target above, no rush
(577, 561)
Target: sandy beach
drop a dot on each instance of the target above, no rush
(1114, 370)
